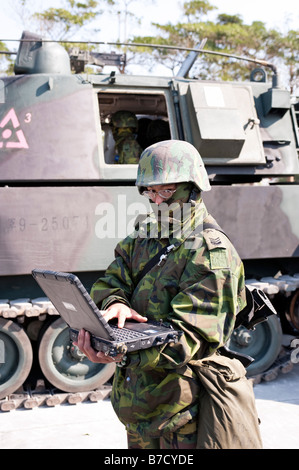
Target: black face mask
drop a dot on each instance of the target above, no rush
(176, 217)
(175, 204)
(172, 214)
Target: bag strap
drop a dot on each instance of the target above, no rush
(254, 312)
(258, 306)
(160, 256)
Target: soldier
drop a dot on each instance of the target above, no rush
(158, 393)
(124, 126)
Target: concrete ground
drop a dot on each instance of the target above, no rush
(95, 426)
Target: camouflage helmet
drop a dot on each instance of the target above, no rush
(124, 119)
(171, 161)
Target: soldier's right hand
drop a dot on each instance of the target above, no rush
(122, 312)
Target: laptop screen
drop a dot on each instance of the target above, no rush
(78, 311)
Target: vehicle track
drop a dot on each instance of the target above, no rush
(41, 395)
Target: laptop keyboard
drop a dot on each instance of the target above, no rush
(125, 333)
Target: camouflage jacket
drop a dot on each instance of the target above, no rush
(198, 289)
(127, 148)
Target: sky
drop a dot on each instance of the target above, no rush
(282, 15)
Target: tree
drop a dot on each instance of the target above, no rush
(59, 23)
(172, 35)
(4, 56)
(63, 23)
(228, 35)
(195, 9)
(290, 51)
(124, 15)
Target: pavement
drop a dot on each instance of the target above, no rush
(95, 426)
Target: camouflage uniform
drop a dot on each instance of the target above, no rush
(183, 438)
(124, 125)
(199, 289)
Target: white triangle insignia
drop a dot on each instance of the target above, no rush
(21, 143)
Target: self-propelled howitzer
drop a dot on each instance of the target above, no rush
(65, 202)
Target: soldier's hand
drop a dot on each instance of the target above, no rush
(84, 345)
(122, 312)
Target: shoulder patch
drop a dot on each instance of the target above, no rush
(217, 245)
(214, 239)
(218, 258)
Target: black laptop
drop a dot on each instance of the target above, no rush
(78, 310)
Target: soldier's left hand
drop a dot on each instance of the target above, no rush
(84, 345)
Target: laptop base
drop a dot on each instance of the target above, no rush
(78, 310)
(113, 348)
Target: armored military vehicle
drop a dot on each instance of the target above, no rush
(65, 202)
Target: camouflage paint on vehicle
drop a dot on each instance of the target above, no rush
(261, 221)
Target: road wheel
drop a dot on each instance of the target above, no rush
(64, 366)
(263, 344)
(16, 357)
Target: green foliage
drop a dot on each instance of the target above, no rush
(228, 35)
(3, 47)
(60, 23)
(195, 9)
(232, 19)
(6, 61)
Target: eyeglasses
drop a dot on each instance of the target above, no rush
(164, 193)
